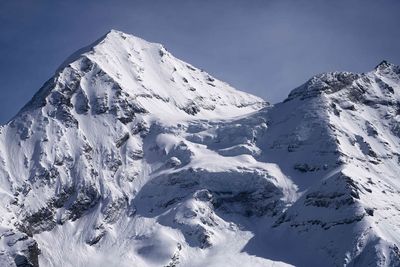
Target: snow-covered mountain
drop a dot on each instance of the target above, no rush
(131, 157)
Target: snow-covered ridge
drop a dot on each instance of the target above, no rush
(129, 156)
(125, 74)
(344, 146)
(332, 82)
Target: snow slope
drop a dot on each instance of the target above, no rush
(131, 157)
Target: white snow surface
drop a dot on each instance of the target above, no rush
(131, 157)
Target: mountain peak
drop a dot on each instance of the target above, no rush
(120, 35)
(387, 69)
(114, 32)
(113, 38)
(384, 64)
(331, 82)
(123, 74)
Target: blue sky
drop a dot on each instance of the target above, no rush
(263, 47)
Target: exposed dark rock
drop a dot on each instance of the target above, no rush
(141, 128)
(96, 239)
(136, 154)
(258, 203)
(41, 220)
(203, 195)
(114, 209)
(101, 104)
(326, 200)
(191, 109)
(30, 258)
(122, 140)
(63, 114)
(304, 167)
(86, 198)
(173, 162)
(22, 261)
(82, 102)
(369, 211)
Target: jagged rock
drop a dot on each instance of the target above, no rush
(82, 103)
(174, 162)
(96, 239)
(87, 197)
(122, 140)
(304, 167)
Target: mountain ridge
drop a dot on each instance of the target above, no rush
(133, 58)
(118, 161)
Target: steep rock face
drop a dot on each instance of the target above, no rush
(129, 156)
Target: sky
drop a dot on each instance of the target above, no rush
(264, 47)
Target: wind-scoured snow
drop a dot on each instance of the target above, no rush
(131, 157)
